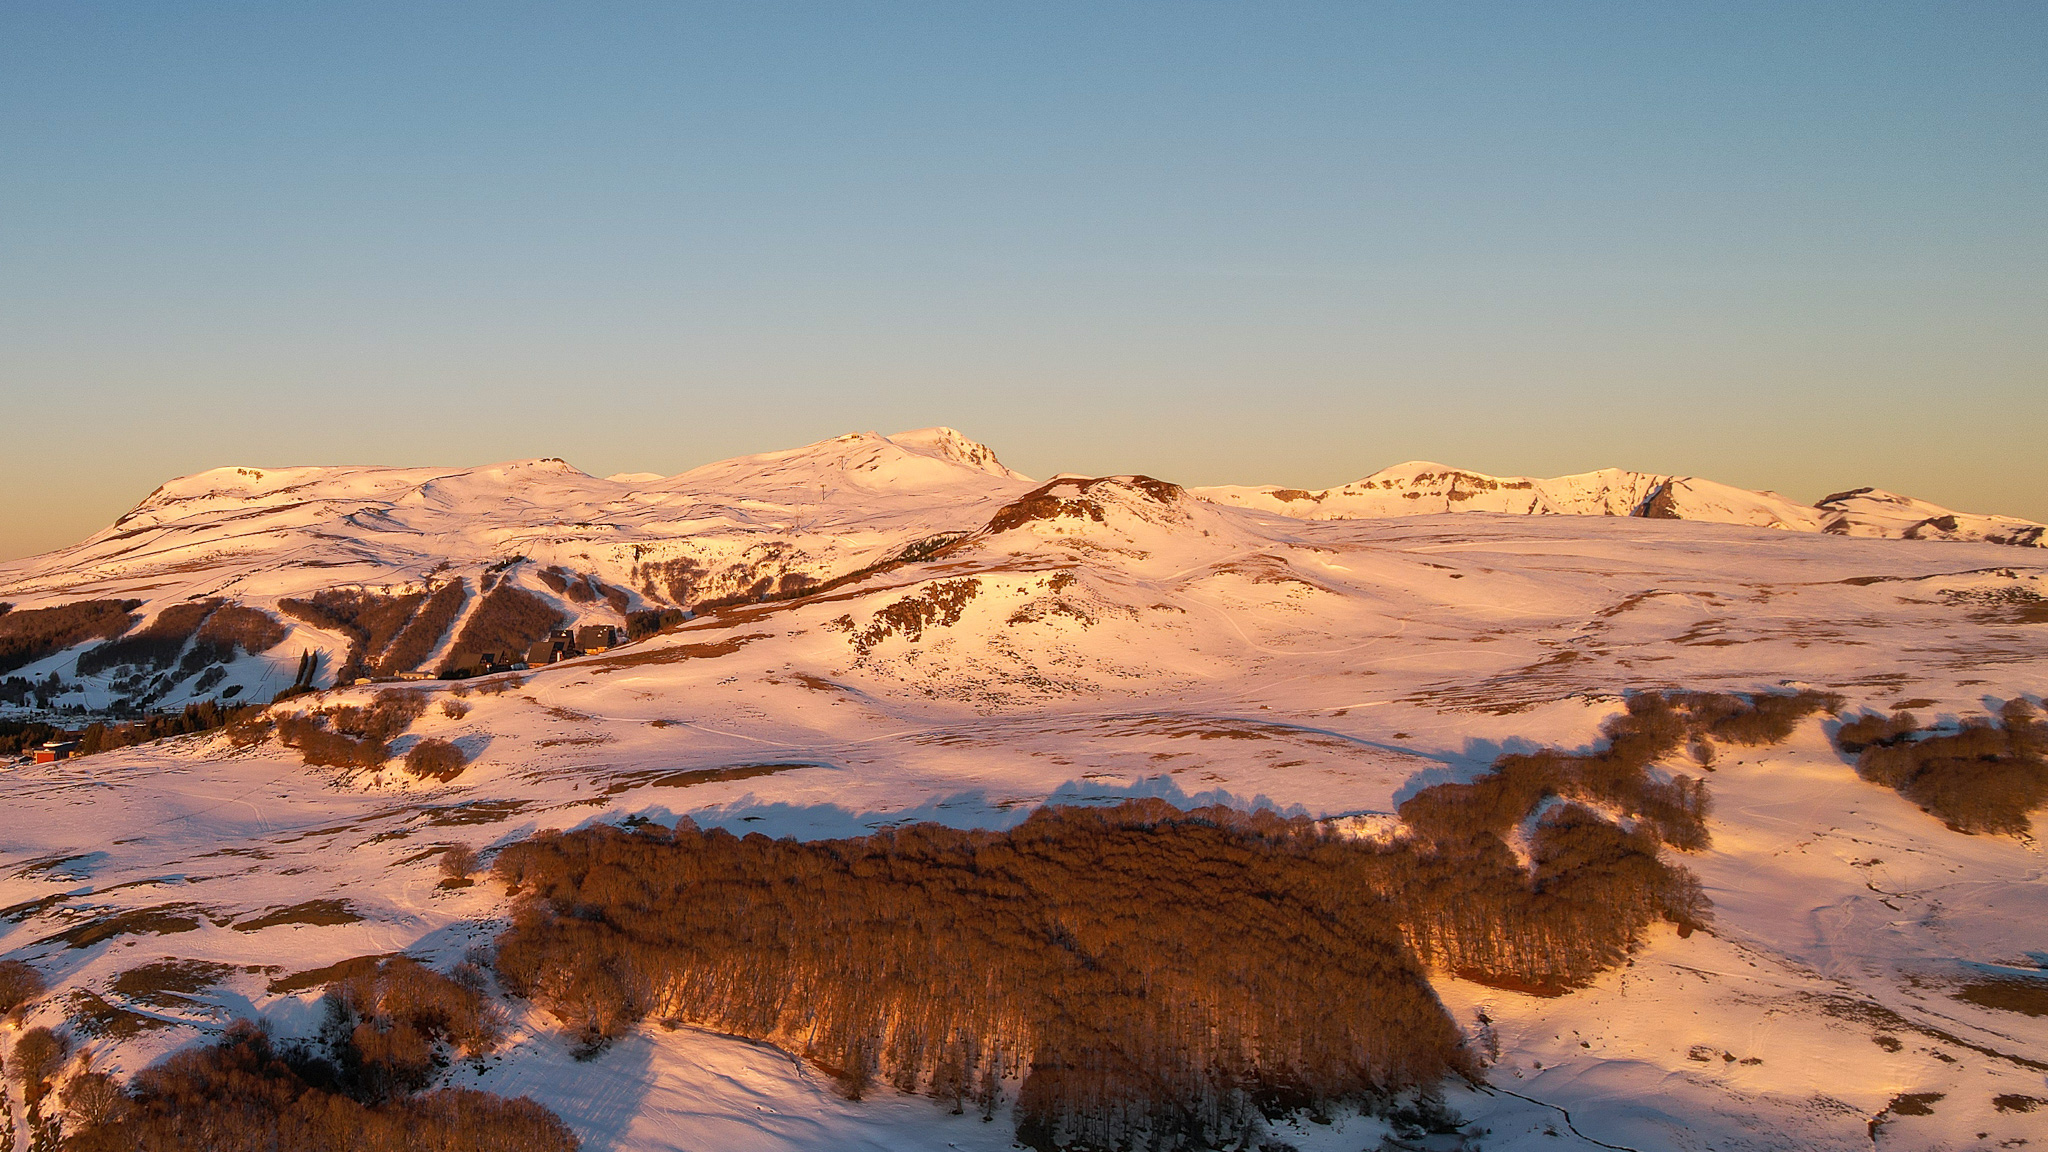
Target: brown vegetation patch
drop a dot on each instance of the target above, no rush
(349, 969)
(2001, 605)
(29, 634)
(19, 984)
(1264, 569)
(1879, 1016)
(816, 683)
(2028, 996)
(235, 625)
(352, 736)
(939, 605)
(49, 864)
(474, 812)
(658, 778)
(1507, 982)
(1046, 502)
(1989, 775)
(370, 620)
(1177, 727)
(942, 961)
(436, 759)
(169, 983)
(161, 920)
(1039, 611)
(358, 1095)
(315, 913)
(92, 1017)
(1914, 1103)
(1654, 726)
(676, 653)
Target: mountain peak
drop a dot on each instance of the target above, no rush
(947, 444)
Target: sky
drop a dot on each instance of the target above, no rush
(1782, 245)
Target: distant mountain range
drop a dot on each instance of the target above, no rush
(1422, 488)
(591, 550)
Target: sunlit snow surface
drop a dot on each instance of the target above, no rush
(1204, 654)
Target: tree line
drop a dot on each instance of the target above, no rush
(1987, 774)
(1156, 978)
(30, 634)
(359, 1086)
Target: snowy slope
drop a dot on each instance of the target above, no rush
(253, 536)
(1088, 641)
(1422, 488)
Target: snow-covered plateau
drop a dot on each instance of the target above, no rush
(873, 631)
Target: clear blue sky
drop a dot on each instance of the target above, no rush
(1784, 245)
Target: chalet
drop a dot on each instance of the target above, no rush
(55, 750)
(596, 637)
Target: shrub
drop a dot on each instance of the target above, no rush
(38, 1055)
(27, 635)
(454, 709)
(458, 861)
(389, 714)
(383, 1028)
(435, 759)
(94, 1099)
(318, 746)
(19, 984)
(349, 735)
(360, 736)
(1856, 735)
(1765, 718)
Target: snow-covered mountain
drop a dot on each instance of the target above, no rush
(596, 550)
(1423, 488)
(744, 528)
(963, 646)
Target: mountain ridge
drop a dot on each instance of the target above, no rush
(1423, 487)
(773, 525)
